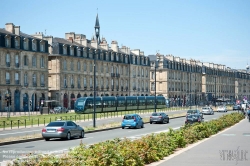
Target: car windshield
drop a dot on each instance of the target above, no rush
(192, 111)
(55, 124)
(128, 117)
(205, 108)
(156, 114)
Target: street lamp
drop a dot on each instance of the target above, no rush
(94, 122)
(157, 59)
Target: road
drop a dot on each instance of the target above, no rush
(88, 123)
(58, 146)
(228, 148)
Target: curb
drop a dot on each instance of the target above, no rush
(40, 138)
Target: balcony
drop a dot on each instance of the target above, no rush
(7, 81)
(112, 74)
(65, 86)
(78, 86)
(26, 84)
(134, 88)
(117, 88)
(85, 87)
(8, 64)
(17, 82)
(17, 65)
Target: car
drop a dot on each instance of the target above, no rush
(64, 129)
(207, 110)
(236, 107)
(194, 111)
(160, 117)
(60, 109)
(132, 121)
(222, 109)
(193, 118)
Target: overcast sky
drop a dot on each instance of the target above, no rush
(207, 30)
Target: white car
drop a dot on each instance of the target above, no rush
(222, 109)
(207, 110)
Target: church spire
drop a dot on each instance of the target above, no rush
(97, 29)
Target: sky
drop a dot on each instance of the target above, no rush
(215, 31)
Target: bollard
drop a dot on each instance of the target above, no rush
(44, 122)
(11, 124)
(4, 125)
(18, 123)
(38, 121)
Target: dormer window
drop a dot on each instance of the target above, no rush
(64, 49)
(71, 50)
(17, 41)
(7, 41)
(33, 45)
(42, 46)
(25, 45)
(117, 57)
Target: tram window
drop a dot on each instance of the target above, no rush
(89, 103)
(121, 103)
(142, 102)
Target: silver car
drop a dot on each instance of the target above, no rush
(207, 110)
(62, 129)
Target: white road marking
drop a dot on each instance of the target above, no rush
(21, 132)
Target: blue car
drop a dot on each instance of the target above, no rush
(132, 121)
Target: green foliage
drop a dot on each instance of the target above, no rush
(148, 149)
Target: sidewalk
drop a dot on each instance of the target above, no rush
(229, 147)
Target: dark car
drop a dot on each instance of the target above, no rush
(236, 107)
(198, 112)
(62, 129)
(193, 118)
(160, 117)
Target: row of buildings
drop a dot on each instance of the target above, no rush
(37, 68)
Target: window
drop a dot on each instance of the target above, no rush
(117, 57)
(42, 62)
(17, 78)
(146, 73)
(127, 69)
(90, 82)
(71, 50)
(34, 61)
(7, 41)
(84, 66)
(107, 69)
(33, 45)
(126, 59)
(78, 66)
(142, 72)
(90, 55)
(42, 46)
(25, 60)
(17, 60)
(65, 50)
(85, 82)
(17, 39)
(72, 80)
(8, 60)
(78, 82)
(153, 86)
(107, 82)
(42, 80)
(7, 77)
(153, 75)
(65, 64)
(112, 57)
(25, 44)
(25, 79)
(34, 79)
(65, 81)
(72, 66)
(90, 67)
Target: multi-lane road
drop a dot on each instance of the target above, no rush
(58, 146)
(88, 123)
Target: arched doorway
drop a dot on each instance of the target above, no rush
(85, 95)
(65, 100)
(101, 94)
(34, 102)
(91, 95)
(25, 102)
(17, 100)
(79, 95)
(72, 101)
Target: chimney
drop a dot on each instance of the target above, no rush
(17, 30)
(9, 27)
(71, 39)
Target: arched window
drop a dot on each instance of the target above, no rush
(90, 67)
(17, 61)
(34, 61)
(8, 60)
(42, 63)
(72, 65)
(65, 64)
(65, 81)
(42, 80)
(78, 66)
(25, 79)
(34, 79)
(17, 78)
(7, 77)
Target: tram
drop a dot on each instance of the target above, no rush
(84, 105)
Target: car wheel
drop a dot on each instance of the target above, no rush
(122, 127)
(46, 139)
(150, 122)
(168, 120)
(142, 126)
(82, 134)
(68, 137)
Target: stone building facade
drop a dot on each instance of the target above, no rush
(23, 70)
(186, 82)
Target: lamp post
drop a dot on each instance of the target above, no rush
(157, 59)
(94, 111)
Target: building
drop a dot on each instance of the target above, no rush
(23, 70)
(191, 82)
